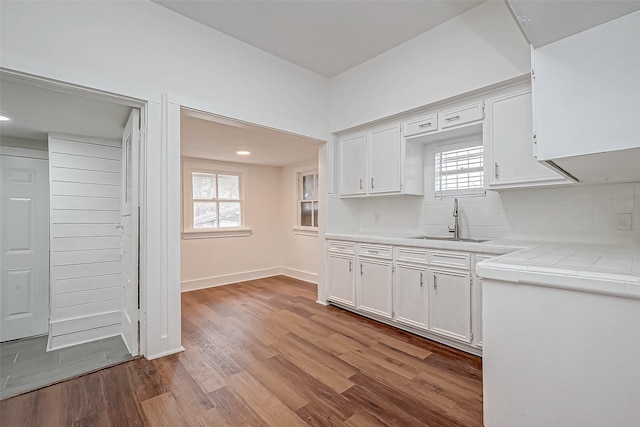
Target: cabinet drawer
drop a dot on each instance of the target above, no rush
(374, 251)
(342, 247)
(462, 115)
(412, 255)
(451, 259)
(421, 125)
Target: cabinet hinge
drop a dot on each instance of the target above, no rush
(471, 336)
(483, 107)
(393, 268)
(470, 281)
(533, 74)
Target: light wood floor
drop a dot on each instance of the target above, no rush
(265, 353)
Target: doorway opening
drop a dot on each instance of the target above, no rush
(249, 202)
(69, 225)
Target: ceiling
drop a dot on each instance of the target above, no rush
(326, 37)
(544, 22)
(207, 136)
(36, 111)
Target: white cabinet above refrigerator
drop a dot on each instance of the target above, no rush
(587, 102)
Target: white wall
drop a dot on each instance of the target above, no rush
(479, 48)
(136, 45)
(86, 265)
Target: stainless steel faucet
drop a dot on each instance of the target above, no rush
(456, 221)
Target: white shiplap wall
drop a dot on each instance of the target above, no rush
(86, 283)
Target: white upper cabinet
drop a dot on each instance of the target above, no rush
(353, 164)
(508, 144)
(380, 161)
(385, 161)
(586, 109)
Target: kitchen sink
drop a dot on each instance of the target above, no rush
(461, 239)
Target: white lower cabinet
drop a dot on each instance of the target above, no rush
(375, 286)
(429, 292)
(341, 279)
(450, 304)
(411, 295)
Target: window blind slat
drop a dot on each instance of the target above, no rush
(459, 172)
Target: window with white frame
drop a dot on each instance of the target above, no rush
(459, 171)
(308, 200)
(212, 198)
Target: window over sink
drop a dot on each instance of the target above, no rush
(459, 170)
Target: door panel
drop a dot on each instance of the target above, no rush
(385, 160)
(450, 304)
(375, 287)
(129, 232)
(24, 225)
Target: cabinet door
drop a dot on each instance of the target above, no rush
(341, 281)
(411, 285)
(450, 304)
(353, 164)
(375, 282)
(385, 159)
(508, 136)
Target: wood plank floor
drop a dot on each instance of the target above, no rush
(264, 353)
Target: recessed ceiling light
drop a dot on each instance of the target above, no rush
(243, 152)
(4, 118)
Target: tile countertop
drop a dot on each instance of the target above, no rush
(492, 247)
(594, 268)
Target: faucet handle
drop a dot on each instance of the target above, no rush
(451, 230)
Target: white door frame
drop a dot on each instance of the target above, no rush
(159, 232)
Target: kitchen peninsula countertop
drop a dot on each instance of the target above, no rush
(587, 267)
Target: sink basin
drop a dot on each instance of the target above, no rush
(461, 239)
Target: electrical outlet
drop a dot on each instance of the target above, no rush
(624, 221)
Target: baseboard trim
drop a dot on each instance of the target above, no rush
(227, 279)
(305, 276)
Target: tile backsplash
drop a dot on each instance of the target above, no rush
(575, 213)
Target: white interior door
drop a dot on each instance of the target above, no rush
(129, 236)
(24, 233)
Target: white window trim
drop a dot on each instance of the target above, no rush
(190, 166)
(298, 172)
(457, 144)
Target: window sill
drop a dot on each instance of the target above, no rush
(303, 231)
(213, 234)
